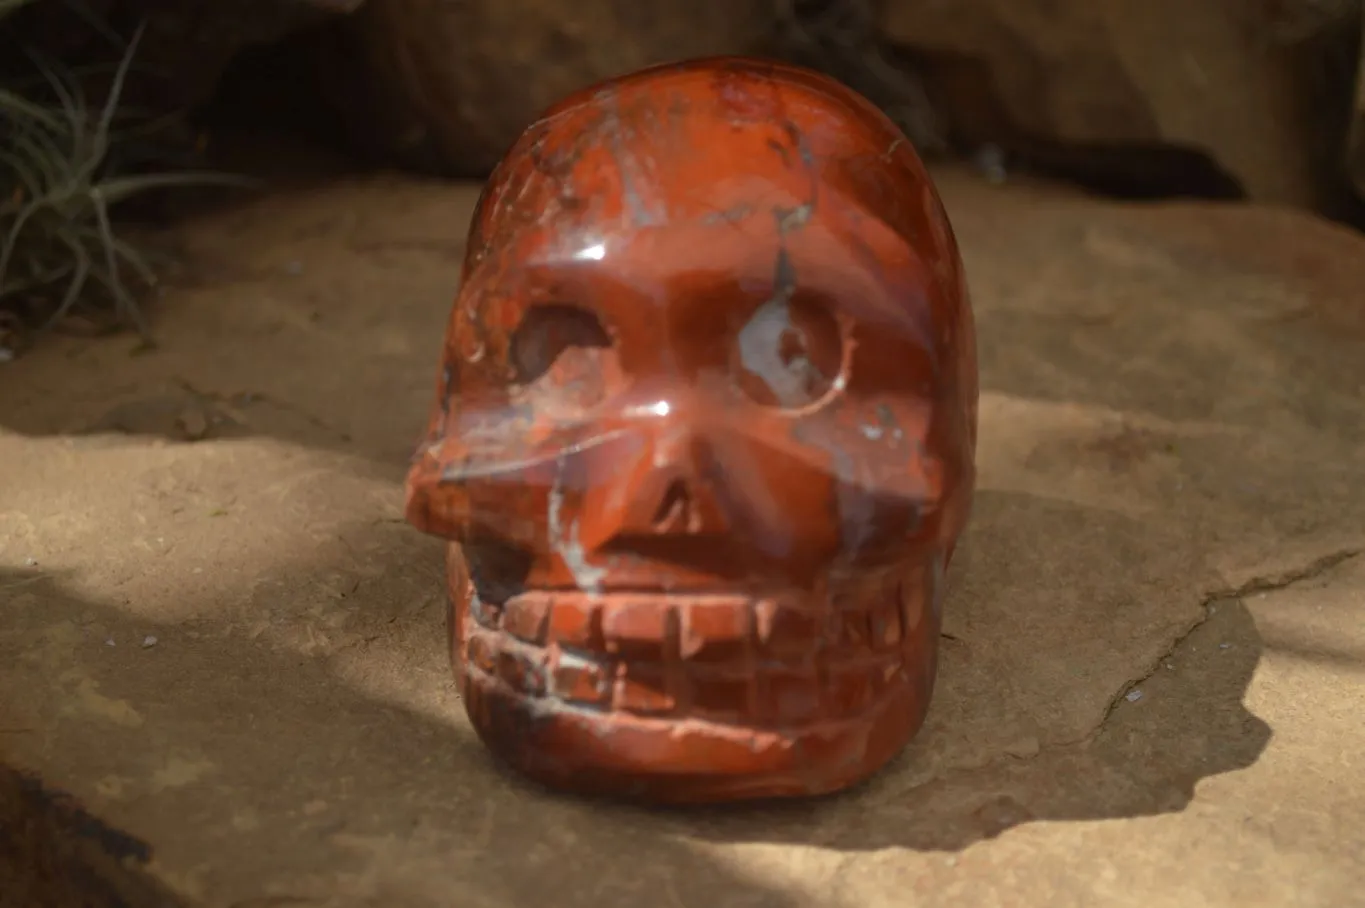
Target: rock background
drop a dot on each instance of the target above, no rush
(1355, 146)
(1103, 73)
(1225, 98)
(446, 87)
(187, 44)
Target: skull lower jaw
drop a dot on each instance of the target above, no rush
(698, 697)
(685, 760)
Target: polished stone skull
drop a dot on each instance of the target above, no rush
(704, 438)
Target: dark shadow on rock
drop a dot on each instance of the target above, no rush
(1187, 724)
(279, 768)
(55, 854)
(262, 777)
(966, 777)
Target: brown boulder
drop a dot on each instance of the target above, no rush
(1097, 74)
(185, 46)
(1355, 141)
(446, 87)
(194, 42)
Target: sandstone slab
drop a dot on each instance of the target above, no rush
(1110, 80)
(217, 634)
(447, 87)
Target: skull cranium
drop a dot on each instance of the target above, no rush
(704, 438)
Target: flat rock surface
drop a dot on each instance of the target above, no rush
(218, 636)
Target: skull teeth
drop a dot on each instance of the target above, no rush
(757, 661)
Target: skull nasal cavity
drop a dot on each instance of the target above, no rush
(675, 507)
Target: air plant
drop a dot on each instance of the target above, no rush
(57, 241)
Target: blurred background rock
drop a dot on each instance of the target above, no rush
(1256, 100)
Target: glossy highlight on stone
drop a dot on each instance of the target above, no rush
(703, 440)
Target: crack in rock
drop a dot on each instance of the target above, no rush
(1314, 569)
(1282, 580)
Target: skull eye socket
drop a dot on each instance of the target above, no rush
(789, 354)
(561, 356)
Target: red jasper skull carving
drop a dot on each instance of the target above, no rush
(704, 438)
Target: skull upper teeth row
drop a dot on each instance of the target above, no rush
(726, 658)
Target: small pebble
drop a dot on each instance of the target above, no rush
(990, 161)
(1133, 696)
(109, 641)
(148, 640)
(1224, 645)
(1024, 747)
(30, 562)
